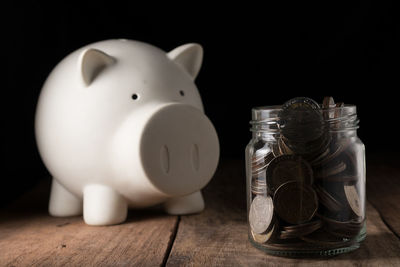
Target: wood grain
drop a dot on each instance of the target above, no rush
(383, 191)
(218, 236)
(29, 236)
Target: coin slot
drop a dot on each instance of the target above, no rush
(164, 158)
(195, 157)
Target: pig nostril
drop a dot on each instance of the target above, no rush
(195, 157)
(164, 158)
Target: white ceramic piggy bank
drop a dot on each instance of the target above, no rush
(120, 124)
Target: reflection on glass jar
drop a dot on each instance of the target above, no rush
(305, 169)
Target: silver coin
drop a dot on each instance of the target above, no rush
(259, 171)
(258, 186)
(262, 238)
(353, 199)
(259, 164)
(260, 153)
(258, 182)
(258, 160)
(261, 214)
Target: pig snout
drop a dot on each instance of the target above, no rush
(179, 149)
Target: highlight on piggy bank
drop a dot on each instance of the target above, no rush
(120, 124)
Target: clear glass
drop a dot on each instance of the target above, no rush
(307, 197)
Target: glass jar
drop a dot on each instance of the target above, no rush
(305, 181)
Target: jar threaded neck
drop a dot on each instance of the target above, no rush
(339, 119)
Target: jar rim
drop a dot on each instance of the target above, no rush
(269, 112)
(279, 107)
(267, 118)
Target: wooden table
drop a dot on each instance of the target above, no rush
(216, 237)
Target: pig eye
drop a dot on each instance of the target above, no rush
(135, 96)
(182, 93)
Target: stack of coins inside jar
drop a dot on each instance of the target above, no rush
(307, 185)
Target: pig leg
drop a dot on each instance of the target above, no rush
(62, 202)
(192, 203)
(102, 205)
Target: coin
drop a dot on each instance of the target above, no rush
(328, 105)
(328, 102)
(285, 245)
(347, 229)
(301, 120)
(259, 171)
(322, 237)
(260, 161)
(258, 186)
(258, 167)
(288, 168)
(276, 150)
(308, 150)
(323, 153)
(353, 199)
(295, 203)
(298, 103)
(295, 231)
(345, 178)
(337, 123)
(263, 238)
(258, 164)
(350, 156)
(332, 170)
(336, 149)
(257, 159)
(261, 214)
(283, 148)
(268, 158)
(326, 199)
(338, 109)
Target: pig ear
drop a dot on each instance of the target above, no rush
(92, 62)
(189, 57)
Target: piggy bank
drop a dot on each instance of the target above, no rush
(120, 124)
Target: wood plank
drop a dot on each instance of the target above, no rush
(218, 236)
(383, 190)
(29, 236)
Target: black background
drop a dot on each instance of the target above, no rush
(254, 55)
